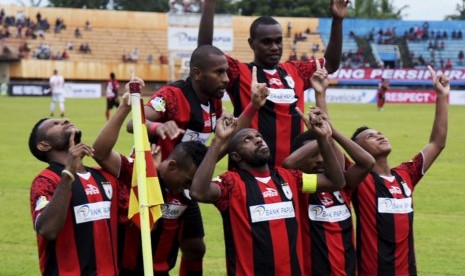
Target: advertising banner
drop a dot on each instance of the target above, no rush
(185, 39)
(370, 76)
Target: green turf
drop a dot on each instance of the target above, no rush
(439, 221)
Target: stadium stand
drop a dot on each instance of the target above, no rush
(118, 33)
(368, 43)
(399, 46)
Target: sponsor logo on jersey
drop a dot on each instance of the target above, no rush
(326, 199)
(273, 211)
(275, 82)
(190, 135)
(175, 201)
(92, 190)
(172, 211)
(331, 214)
(41, 203)
(270, 192)
(282, 96)
(395, 190)
(395, 205)
(92, 211)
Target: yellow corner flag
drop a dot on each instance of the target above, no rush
(145, 198)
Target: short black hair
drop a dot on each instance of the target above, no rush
(188, 153)
(112, 75)
(358, 131)
(200, 55)
(35, 137)
(262, 20)
(301, 139)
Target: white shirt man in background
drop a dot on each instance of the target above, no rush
(57, 83)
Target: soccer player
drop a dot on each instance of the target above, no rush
(73, 207)
(259, 204)
(57, 83)
(383, 202)
(277, 121)
(383, 87)
(187, 110)
(175, 174)
(112, 94)
(327, 229)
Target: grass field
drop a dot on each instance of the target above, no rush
(439, 199)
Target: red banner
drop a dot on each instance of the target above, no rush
(410, 96)
(394, 74)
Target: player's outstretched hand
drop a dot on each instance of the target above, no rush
(441, 83)
(320, 127)
(259, 91)
(338, 8)
(314, 117)
(225, 126)
(134, 79)
(319, 79)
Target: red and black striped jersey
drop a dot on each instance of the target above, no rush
(87, 243)
(384, 209)
(181, 218)
(277, 120)
(327, 233)
(260, 220)
(178, 102)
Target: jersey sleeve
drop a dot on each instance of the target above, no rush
(125, 171)
(124, 188)
(306, 69)
(295, 175)
(226, 184)
(164, 102)
(414, 168)
(234, 71)
(42, 191)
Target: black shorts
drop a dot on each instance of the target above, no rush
(112, 102)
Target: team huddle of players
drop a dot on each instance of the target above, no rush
(286, 200)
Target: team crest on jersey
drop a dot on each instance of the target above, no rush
(407, 190)
(290, 81)
(186, 194)
(338, 196)
(287, 190)
(159, 104)
(108, 189)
